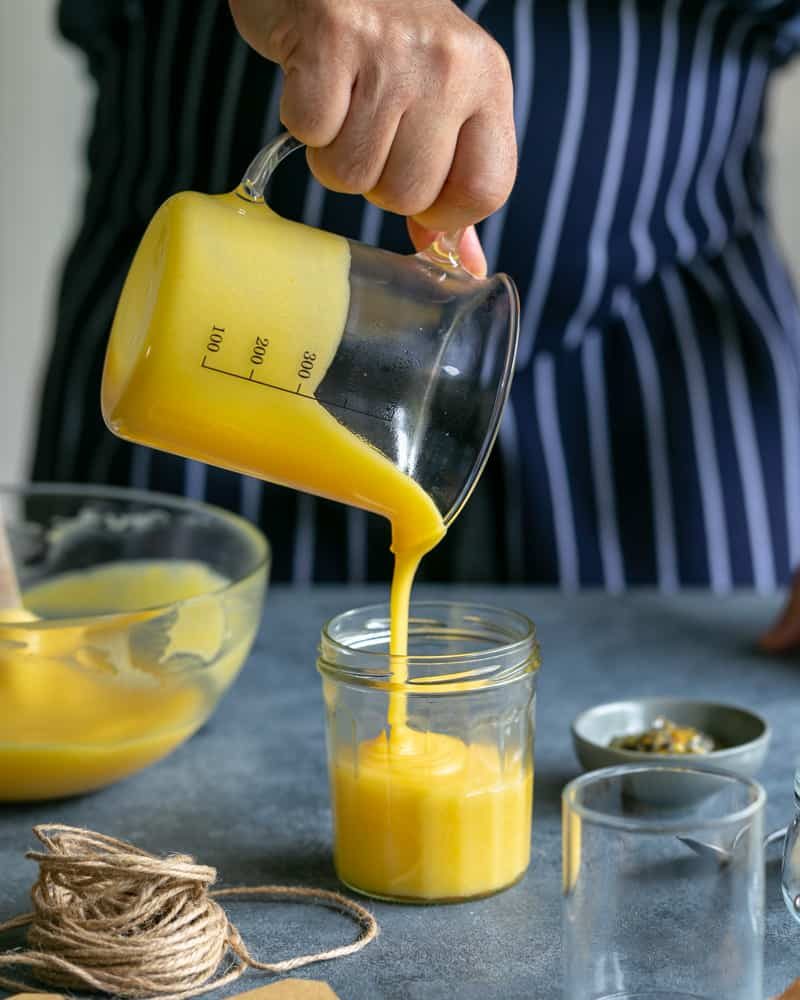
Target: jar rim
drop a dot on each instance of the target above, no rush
(660, 825)
(495, 664)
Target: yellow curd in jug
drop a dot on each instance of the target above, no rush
(81, 706)
(223, 366)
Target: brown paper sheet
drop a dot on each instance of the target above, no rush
(286, 989)
(290, 989)
(36, 996)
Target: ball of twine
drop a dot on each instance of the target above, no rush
(108, 916)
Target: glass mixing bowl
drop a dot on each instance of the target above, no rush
(139, 611)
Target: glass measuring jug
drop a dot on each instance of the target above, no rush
(267, 347)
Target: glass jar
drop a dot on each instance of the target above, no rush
(438, 809)
(647, 915)
(790, 872)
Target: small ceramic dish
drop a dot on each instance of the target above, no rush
(741, 736)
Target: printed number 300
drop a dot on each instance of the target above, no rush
(307, 364)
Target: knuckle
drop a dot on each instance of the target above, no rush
(483, 193)
(493, 76)
(371, 26)
(405, 195)
(307, 126)
(349, 170)
(408, 203)
(334, 23)
(352, 178)
(306, 118)
(499, 63)
(271, 33)
(446, 52)
(356, 168)
(469, 62)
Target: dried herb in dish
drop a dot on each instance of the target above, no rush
(666, 737)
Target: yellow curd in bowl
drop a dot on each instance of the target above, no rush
(96, 696)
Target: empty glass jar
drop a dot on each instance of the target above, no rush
(649, 913)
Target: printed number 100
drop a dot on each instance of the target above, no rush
(215, 339)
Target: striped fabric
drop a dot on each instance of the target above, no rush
(653, 435)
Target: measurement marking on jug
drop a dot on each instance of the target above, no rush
(259, 350)
(306, 365)
(383, 417)
(256, 381)
(215, 339)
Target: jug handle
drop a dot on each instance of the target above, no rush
(443, 251)
(264, 164)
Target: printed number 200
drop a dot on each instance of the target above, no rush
(259, 350)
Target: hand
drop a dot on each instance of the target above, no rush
(792, 993)
(407, 102)
(784, 635)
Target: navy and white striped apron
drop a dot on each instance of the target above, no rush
(653, 435)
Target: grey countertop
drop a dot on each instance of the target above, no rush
(248, 794)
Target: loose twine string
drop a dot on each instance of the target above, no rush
(108, 916)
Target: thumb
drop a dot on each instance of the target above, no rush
(470, 249)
